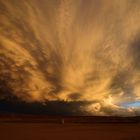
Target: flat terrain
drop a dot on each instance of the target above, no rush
(22, 127)
(97, 131)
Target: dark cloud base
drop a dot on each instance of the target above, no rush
(61, 108)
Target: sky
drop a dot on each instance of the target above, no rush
(81, 54)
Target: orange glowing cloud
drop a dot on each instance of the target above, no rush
(71, 50)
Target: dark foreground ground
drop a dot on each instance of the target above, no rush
(39, 131)
(53, 128)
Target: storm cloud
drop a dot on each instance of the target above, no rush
(72, 51)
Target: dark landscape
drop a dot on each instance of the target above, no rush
(62, 121)
(40, 127)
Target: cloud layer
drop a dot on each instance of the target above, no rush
(73, 51)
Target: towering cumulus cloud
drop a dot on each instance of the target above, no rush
(71, 50)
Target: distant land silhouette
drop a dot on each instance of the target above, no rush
(58, 119)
